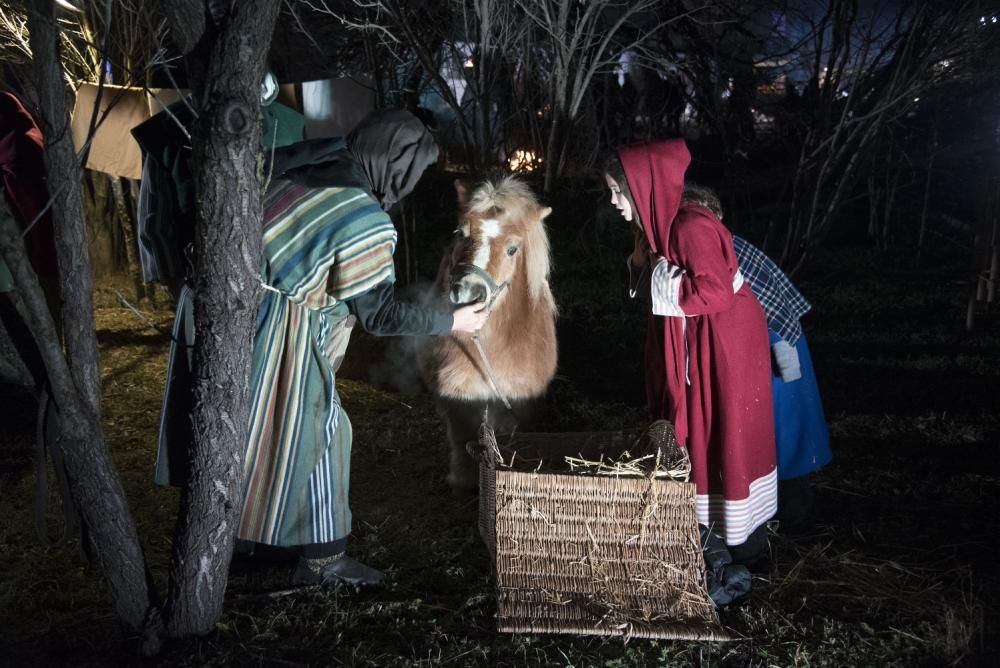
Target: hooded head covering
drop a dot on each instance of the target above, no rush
(655, 174)
(393, 148)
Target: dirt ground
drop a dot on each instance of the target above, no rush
(896, 568)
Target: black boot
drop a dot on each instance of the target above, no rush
(753, 552)
(727, 582)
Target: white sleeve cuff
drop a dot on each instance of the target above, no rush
(666, 289)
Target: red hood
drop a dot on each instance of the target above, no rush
(655, 174)
(15, 119)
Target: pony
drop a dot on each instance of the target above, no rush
(499, 256)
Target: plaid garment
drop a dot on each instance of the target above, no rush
(783, 303)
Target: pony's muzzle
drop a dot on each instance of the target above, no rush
(469, 289)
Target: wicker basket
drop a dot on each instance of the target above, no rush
(609, 551)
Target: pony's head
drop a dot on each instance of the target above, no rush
(500, 241)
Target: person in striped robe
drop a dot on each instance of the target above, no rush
(327, 264)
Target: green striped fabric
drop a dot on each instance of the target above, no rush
(321, 246)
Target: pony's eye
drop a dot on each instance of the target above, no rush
(511, 250)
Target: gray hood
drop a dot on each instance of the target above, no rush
(393, 148)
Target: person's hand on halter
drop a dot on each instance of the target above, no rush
(470, 318)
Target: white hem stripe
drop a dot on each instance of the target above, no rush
(734, 520)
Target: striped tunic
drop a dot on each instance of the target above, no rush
(321, 247)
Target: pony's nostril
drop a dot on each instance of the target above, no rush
(477, 294)
(467, 292)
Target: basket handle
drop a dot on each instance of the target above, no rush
(484, 449)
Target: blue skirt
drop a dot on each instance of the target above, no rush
(803, 442)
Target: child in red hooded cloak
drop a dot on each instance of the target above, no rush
(708, 366)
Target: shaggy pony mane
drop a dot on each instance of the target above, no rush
(513, 202)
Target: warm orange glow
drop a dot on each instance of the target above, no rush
(523, 160)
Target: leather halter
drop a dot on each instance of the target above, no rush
(493, 289)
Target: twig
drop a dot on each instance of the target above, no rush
(149, 323)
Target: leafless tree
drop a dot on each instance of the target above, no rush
(869, 69)
(585, 39)
(225, 44)
(471, 41)
(492, 29)
(101, 42)
(74, 375)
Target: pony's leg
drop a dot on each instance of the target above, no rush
(462, 419)
(524, 415)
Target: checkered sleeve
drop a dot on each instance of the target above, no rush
(783, 304)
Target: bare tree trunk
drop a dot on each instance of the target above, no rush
(993, 232)
(95, 486)
(922, 232)
(226, 69)
(65, 179)
(892, 185)
(931, 155)
(873, 208)
(126, 222)
(552, 150)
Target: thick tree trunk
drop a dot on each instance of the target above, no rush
(65, 180)
(77, 386)
(228, 231)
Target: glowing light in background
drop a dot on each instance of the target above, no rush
(523, 160)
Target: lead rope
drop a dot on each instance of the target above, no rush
(489, 372)
(494, 452)
(482, 353)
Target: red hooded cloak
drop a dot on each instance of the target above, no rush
(708, 366)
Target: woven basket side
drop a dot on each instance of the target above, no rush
(600, 555)
(488, 507)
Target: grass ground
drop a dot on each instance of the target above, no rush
(898, 567)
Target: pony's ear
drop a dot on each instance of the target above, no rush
(545, 212)
(462, 192)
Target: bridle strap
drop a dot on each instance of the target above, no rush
(494, 291)
(491, 284)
